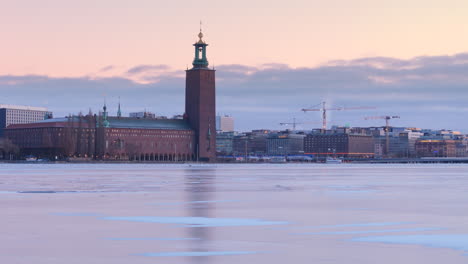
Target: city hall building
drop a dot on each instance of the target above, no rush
(132, 138)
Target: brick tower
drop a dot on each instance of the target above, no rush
(200, 103)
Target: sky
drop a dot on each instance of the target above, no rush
(407, 58)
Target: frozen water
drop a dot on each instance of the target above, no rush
(76, 214)
(371, 231)
(197, 254)
(453, 241)
(366, 224)
(229, 214)
(198, 221)
(151, 238)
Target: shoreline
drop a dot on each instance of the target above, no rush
(373, 161)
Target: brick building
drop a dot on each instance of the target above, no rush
(339, 144)
(124, 138)
(436, 148)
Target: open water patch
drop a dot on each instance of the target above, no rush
(197, 221)
(451, 241)
(197, 253)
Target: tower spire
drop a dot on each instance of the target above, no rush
(119, 112)
(105, 122)
(200, 60)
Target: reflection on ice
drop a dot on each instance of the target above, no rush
(197, 221)
(151, 238)
(197, 254)
(199, 202)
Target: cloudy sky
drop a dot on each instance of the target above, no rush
(407, 58)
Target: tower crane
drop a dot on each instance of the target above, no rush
(387, 127)
(324, 110)
(294, 123)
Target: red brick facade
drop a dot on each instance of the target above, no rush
(81, 138)
(148, 144)
(200, 109)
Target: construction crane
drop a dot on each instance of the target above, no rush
(294, 123)
(387, 128)
(324, 110)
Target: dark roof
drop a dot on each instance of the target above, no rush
(125, 122)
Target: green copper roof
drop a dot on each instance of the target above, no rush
(200, 60)
(125, 122)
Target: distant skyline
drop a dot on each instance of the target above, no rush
(407, 58)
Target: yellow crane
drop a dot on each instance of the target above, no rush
(387, 128)
(324, 110)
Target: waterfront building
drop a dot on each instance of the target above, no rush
(401, 141)
(241, 144)
(462, 147)
(442, 143)
(258, 141)
(402, 144)
(285, 143)
(436, 148)
(224, 123)
(105, 137)
(19, 114)
(339, 144)
(224, 143)
(133, 138)
(251, 143)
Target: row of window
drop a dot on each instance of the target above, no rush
(152, 131)
(139, 135)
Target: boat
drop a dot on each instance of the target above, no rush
(333, 160)
(31, 158)
(278, 160)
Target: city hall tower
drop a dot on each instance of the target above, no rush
(200, 103)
